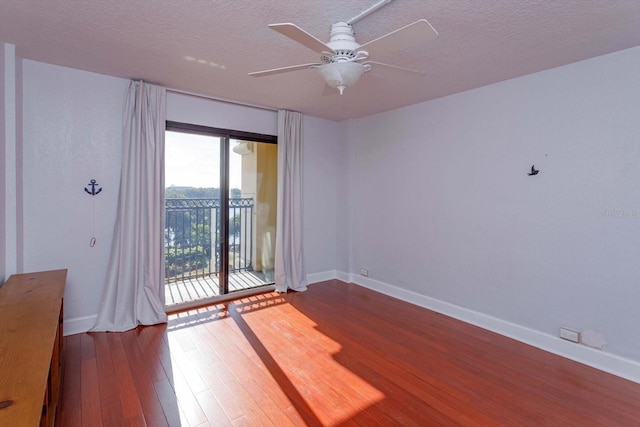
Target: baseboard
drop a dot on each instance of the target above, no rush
(78, 325)
(323, 276)
(608, 362)
(343, 277)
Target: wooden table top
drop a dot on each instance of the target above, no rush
(30, 305)
(29, 286)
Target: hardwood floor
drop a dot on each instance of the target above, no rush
(336, 355)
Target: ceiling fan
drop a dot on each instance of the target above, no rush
(342, 59)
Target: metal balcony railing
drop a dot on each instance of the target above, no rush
(193, 241)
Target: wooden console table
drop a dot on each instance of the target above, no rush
(31, 344)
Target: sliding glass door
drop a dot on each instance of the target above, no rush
(219, 236)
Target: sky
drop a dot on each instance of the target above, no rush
(194, 161)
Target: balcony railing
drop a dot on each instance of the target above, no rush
(193, 241)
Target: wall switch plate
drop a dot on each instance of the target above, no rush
(569, 334)
(364, 272)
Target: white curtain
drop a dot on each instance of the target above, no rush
(289, 261)
(134, 285)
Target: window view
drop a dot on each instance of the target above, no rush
(196, 269)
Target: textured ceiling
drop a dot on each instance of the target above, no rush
(209, 46)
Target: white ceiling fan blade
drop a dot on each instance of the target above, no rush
(282, 70)
(299, 35)
(393, 68)
(418, 32)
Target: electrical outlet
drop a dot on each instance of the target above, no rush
(364, 272)
(569, 334)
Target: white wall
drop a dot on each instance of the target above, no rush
(442, 205)
(325, 176)
(72, 134)
(205, 112)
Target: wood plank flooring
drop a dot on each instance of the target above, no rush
(336, 355)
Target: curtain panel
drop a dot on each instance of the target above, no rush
(289, 259)
(133, 292)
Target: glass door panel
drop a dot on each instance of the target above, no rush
(192, 217)
(253, 175)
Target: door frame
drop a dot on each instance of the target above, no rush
(225, 135)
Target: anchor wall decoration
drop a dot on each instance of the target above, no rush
(93, 190)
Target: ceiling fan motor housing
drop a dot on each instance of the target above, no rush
(343, 42)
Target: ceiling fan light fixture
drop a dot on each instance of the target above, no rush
(342, 74)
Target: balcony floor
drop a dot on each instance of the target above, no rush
(189, 290)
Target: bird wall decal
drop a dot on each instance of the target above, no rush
(534, 171)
